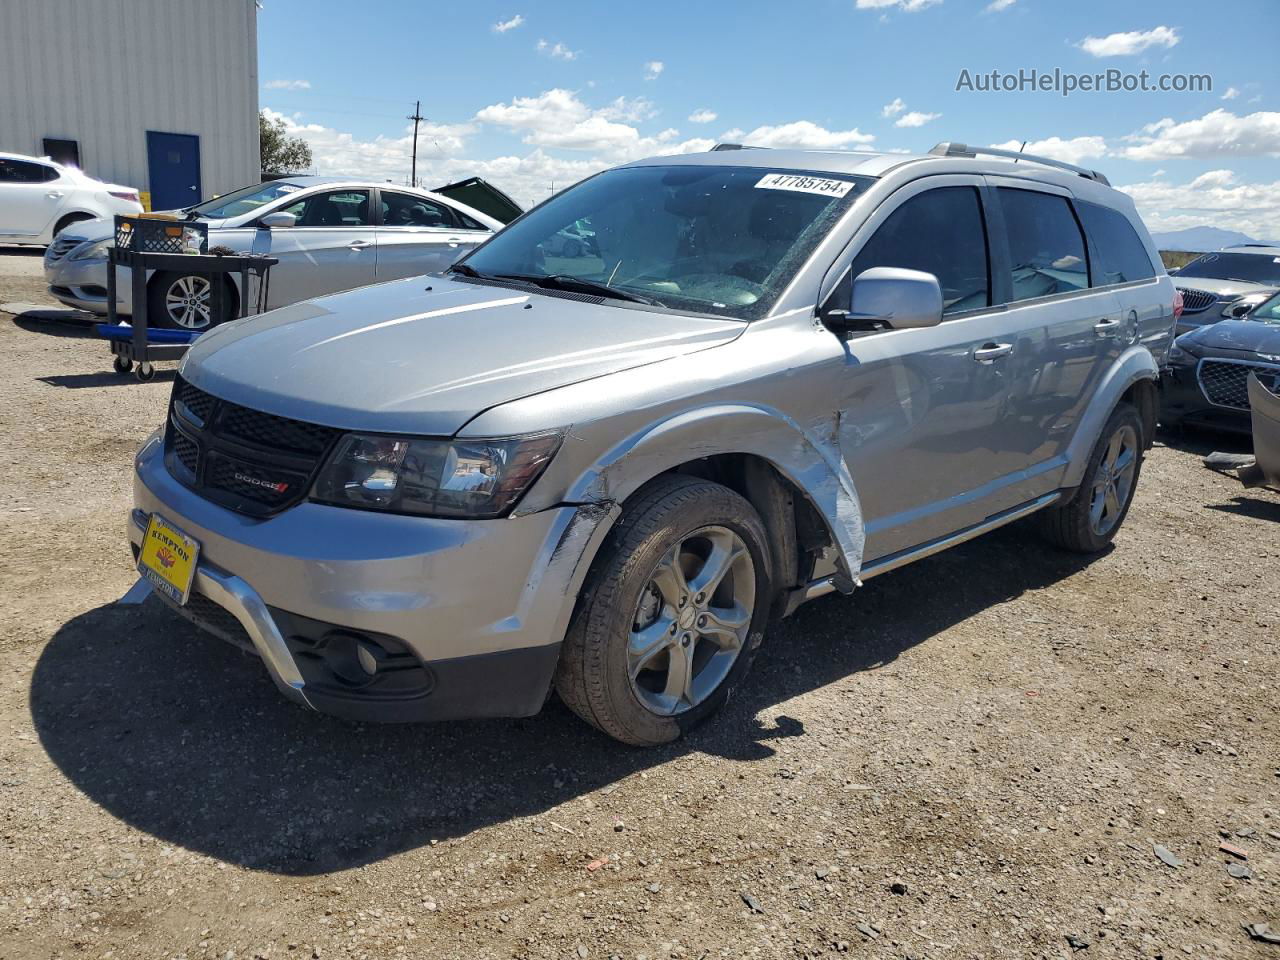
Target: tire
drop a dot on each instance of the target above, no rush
(1077, 525)
(178, 301)
(68, 220)
(612, 636)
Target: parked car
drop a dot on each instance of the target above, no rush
(785, 373)
(1226, 284)
(1207, 380)
(328, 233)
(39, 198)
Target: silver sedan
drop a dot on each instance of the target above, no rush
(328, 234)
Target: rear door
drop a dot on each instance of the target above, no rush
(1072, 330)
(29, 196)
(418, 235)
(332, 247)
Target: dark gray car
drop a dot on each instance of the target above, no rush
(776, 375)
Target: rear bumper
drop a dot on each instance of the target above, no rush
(469, 614)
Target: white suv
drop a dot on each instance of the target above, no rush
(39, 197)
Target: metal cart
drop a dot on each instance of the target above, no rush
(145, 244)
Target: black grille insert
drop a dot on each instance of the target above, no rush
(1193, 301)
(253, 462)
(1225, 383)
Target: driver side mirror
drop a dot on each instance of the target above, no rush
(893, 296)
(278, 219)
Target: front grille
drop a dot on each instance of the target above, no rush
(1225, 383)
(252, 462)
(60, 247)
(1193, 301)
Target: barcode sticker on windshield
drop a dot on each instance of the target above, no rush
(802, 184)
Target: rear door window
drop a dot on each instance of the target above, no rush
(24, 171)
(1046, 247)
(940, 232)
(406, 210)
(1119, 255)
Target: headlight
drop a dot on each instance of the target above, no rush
(475, 479)
(1242, 305)
(93, 251)
(1178, 355)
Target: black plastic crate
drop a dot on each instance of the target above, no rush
(146, 235)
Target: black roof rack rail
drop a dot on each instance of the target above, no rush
(949, 149)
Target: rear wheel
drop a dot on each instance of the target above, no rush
(181, 301)
(1089, 521)
(673, 612)
(68, 220)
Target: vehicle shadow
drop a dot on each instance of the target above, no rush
(1253, 507)
(184, 737)
(1202, 441)
(60, 327)
(107, 378)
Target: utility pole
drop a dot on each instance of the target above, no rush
(416, 118)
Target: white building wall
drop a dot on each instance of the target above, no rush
(104, 72)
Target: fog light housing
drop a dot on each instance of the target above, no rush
(353, 660)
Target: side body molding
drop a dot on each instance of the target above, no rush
(808, 457)
(1135, 364)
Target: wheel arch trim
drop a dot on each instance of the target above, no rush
(1133, 366)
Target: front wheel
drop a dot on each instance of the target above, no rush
(180, 301)
(673, 611)
(1089, 521)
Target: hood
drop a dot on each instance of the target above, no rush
(1234, 337)
(1224, 288)
(425, 355)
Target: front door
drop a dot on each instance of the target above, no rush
(922, 417)
(173, 169)
(331, 247)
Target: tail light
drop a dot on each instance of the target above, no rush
(130, 195)
(1177, 304)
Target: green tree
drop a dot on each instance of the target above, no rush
(281, 153)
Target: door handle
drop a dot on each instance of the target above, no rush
(454, 241)
(991, 352)
(358, 244)
(1106, 328)
(55, 194)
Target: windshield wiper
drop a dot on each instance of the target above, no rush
(562, 281)
(466, 271)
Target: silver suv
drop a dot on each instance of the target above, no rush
(605, 469)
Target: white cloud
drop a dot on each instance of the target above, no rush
(802, 135)
(382, 158)
(557, 50)
(702, 116)
(995, 6)
(653, 69)
(503, 26)
(289, 85)
(1218, 133)
(1214, 198)
(893, 108)
(1231, 93)
(916, 119)
(1075, 150)
(1134, 41)
(558, 118)
(909, 6)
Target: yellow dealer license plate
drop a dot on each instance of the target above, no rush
(168, 559)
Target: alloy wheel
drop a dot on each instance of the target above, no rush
(187, 302)
(692, 621)
(1114, 481)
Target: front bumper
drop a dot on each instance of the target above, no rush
(1182, 401)
(83, 284)
(474, 609)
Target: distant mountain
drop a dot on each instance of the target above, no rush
(1199, 239)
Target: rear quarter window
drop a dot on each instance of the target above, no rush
(1119, 254)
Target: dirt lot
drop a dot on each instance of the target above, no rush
(972, 757)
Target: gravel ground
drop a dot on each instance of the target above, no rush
(971, 757)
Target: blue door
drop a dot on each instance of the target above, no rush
(173, 167)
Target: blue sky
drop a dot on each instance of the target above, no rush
(529, 95)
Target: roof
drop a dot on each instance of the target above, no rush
(1261, 249)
